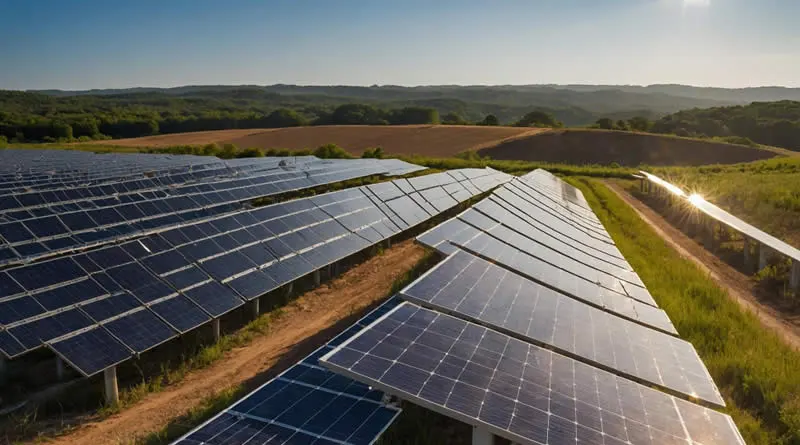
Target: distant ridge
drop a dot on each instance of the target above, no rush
(725, 96)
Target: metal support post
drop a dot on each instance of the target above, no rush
(482, 436)
(794, 276)
(317, 277)
(215, 329)
(764, 254)
(641, 185)
(708, 233)
(748, 255)
(59, 369)
(3, 369)
(111, 388)
(388, 243)
(288, 289)
(255, 309)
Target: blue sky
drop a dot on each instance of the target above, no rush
(81, 44)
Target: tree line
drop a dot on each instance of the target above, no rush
(769, 123)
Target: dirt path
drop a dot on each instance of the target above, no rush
(738, 285)
(288, 341)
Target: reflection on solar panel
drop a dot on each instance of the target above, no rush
(144, 292)
(516, 390)
(305, 404)
(479, 291)
(731, 221)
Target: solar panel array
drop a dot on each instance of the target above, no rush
(98, 308)
(535, 328)
(303, 405)
(46, 221)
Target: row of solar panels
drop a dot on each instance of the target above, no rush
(729, 220)
(52, 168)
(482, 341)
(56, 227)
(98, 308)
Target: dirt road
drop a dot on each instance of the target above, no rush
(739, 286)
(306, 325)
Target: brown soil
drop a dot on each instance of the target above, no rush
(308, 322)
(624, 148)
(738, 285)
(427, 140)
(167, 140)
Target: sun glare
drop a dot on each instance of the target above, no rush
(696, 199)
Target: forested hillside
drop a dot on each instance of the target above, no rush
(96, 114)
(769, 123)
(55, 115)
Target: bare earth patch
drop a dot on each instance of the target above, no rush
(297, 333)
(738, 285)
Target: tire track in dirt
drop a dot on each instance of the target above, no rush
(290, 338)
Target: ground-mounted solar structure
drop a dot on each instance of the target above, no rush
(704, 216)
(304, 404)
(534, 328)
(183, 245)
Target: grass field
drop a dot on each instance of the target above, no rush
(572, 146)
(756, 372)
(765, 194)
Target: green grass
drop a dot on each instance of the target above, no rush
(521, 167)
(756, 372)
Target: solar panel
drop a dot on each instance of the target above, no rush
(149, 290)
(514, 389)
(735, 223)
(304, 404)
(479, 291)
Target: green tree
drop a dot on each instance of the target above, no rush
(284, 117)
(639, 123)
(376, 153)
(622, 125)
(61, 130)
(228, 151)
(3, 141)
(250, 153)
(538, 118)
(413, 116)
(454, 118)
(332, 151)
(605, 123)
(490, 120)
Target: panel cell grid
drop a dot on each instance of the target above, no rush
(517, 390)
(474, 289)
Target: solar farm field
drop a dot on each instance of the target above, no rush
(527, 322)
